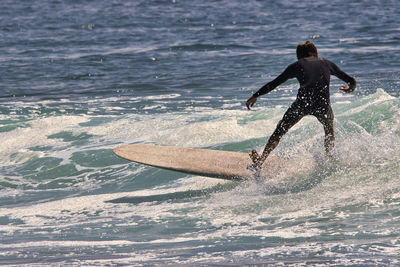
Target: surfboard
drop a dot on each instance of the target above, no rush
(211, 163)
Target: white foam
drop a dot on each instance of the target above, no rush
(371, 100)
(166, 96)
(36, 134)
(66, 244)
(182, 129)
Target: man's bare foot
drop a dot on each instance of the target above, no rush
(255, 157)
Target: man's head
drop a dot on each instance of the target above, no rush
(306, 49)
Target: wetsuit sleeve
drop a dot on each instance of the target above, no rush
(335, 70)
(290, 72)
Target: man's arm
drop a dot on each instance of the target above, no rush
(335, 70)
(287, 74)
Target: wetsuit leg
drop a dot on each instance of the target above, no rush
(293, 115)
(325, 117)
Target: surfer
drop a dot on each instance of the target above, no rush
(313, 74)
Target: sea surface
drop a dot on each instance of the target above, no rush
(80, 77)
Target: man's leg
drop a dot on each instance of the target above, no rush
(291, 117)
(272, 143)
(329, 139)
(325, 116)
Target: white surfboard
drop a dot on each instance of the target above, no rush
(212, 163)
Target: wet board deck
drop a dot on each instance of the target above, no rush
(212, 163)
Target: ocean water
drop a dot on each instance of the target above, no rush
(78, 78)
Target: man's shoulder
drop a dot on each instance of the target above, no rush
(294, 65)
(327, 61)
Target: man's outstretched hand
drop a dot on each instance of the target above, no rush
(250, 102)
(346, 89)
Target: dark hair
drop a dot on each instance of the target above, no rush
(306, 49)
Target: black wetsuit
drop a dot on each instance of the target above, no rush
(313, 98)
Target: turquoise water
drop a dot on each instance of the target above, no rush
(81, 77)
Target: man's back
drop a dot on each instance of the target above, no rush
(313, 75)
